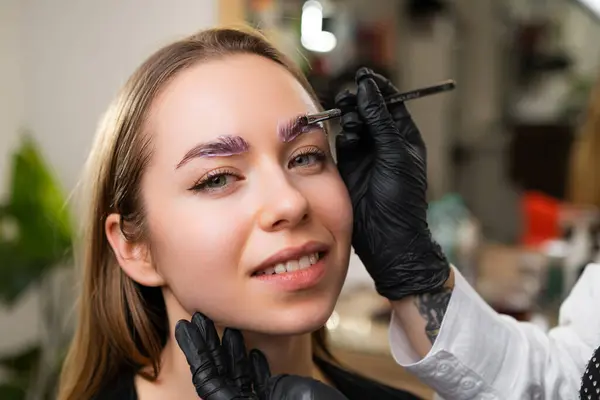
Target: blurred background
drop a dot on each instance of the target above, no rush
(500, 145)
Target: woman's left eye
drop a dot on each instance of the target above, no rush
(307, 158)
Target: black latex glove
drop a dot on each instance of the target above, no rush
(223, 371)
(382, 159)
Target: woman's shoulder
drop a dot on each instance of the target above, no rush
(355, 386)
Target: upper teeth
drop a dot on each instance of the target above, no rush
(292, 265)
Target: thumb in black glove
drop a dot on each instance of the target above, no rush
(219, 371)
(382, 159)
(224, 372)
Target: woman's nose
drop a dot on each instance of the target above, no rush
(284, 205)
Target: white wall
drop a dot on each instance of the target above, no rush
(484, 39)
(77, 55)
(15, 324)
(581, 31)
(426, 58)
(11, 83)
(61, 64)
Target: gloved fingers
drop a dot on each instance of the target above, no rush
(238, 363)
(398, 110)
(345, 101)
(373, 110)
(299, 387)
(205, 375)
(347, 149)
(350, 120)
(352, 124)
(348, 142)
(260, 371)
(320, 390)
(206, 327)
(385, 85)
(400, 114)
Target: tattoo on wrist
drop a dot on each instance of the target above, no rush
(432, 307)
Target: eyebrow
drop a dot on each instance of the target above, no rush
(290, 130)
(223, 146)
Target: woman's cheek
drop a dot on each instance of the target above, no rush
(192, 246)
(331, 202)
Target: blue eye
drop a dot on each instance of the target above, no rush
(214, 181)
(307, 158)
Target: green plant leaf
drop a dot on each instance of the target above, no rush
(37, 208)
(22, 362)
(37, 203)
(20, 368)
(15, 273)
(10, 391)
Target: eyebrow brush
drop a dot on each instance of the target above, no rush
(441, 87)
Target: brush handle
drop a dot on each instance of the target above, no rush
(349, 104)
(418, 93)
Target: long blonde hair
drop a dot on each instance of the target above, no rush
(584, 174)
(121, 324)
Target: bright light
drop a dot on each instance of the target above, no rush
(322, 42)
(593, 5)
(314, 38)
(333, 322)
(312, 18)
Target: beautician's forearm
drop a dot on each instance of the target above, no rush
(421, 315)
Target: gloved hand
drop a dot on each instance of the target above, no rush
(382, 159)
(224, 371)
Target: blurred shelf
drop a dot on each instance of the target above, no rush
(383, 369)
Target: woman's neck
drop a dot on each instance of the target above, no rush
(286, 355)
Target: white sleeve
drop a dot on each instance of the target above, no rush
(482, 354)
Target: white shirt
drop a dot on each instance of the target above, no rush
(480, 354)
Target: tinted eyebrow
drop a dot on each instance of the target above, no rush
(291, 129)
(223, 146)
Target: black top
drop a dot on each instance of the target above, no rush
(590, 387)
(353, 386)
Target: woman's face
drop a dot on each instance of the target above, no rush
(245, 227)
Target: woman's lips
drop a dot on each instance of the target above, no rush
(291, 257)
(295, 278)
(302, 262)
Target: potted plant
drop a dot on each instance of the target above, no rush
(35, 241)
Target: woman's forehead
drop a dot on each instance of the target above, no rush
(228, 96)
(236, 86)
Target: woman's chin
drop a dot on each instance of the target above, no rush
(290, 322)
(299, 327)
